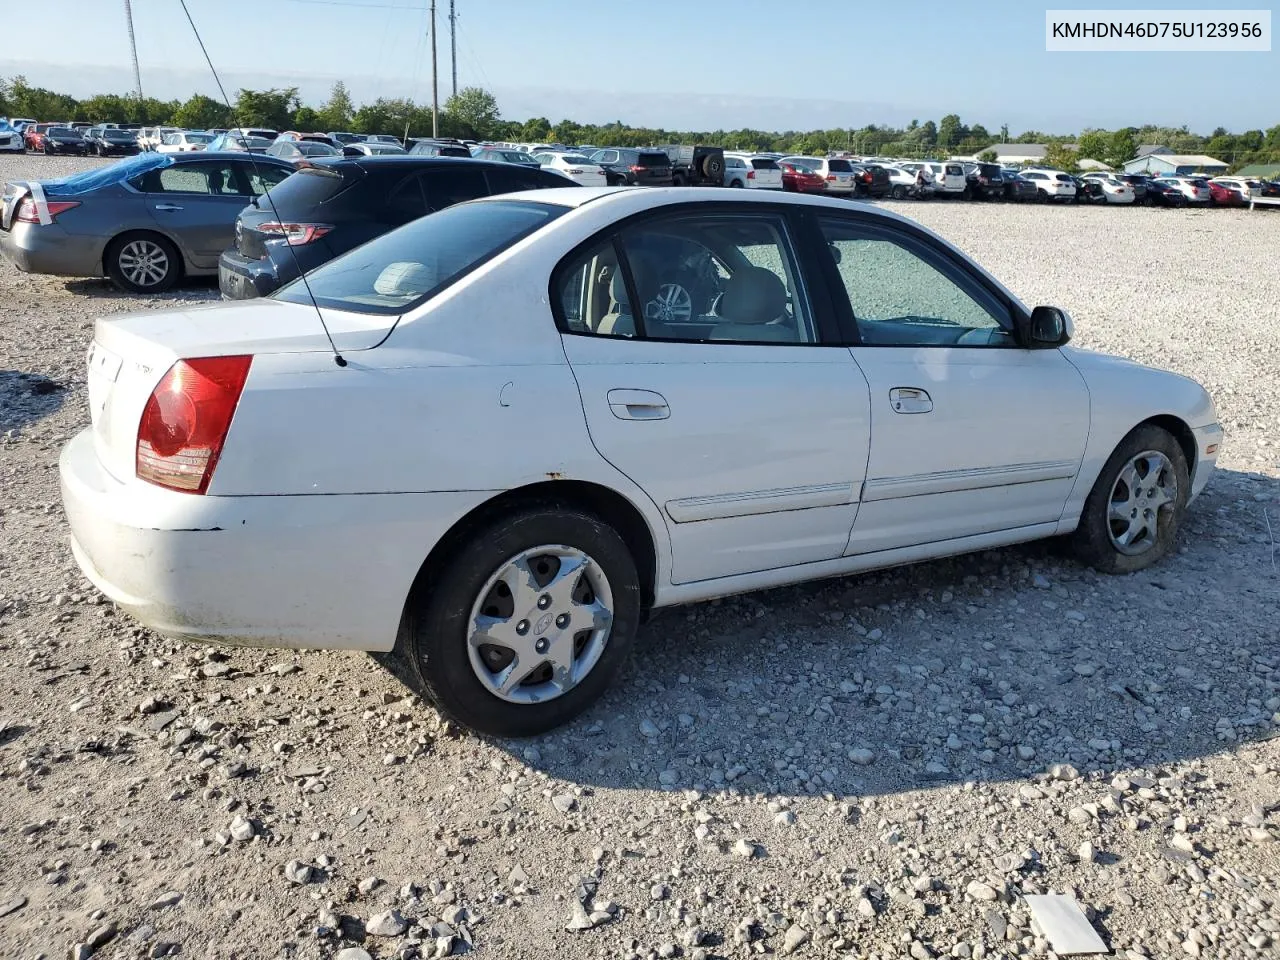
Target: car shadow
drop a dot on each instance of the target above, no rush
(188, 288)
(27, 397)
(984, 667)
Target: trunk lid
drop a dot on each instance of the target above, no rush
(130, 354)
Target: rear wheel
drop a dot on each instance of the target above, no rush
(527, 622)
(1132, 514)
(899, 192)
(142, 263)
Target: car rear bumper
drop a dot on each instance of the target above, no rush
(240, 278)
(324, 572)
(50, 249)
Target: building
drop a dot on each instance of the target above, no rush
(1089, 165)
(1178, 164)
(1260, 171)
(1146, 148)
(1019, 154)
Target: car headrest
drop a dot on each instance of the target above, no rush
(753, 295)
(618, 288)
(404, 278)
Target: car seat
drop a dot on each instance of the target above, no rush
(753, 298)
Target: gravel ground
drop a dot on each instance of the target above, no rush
(879, 766)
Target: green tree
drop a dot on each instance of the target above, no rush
(267, 108)
(306, 119)
(338, 110)
(1122, 147)
(105, 108)
(988, 156)
(1058, 157)
(475, 110)
(29, 101)
(928, 133)
(1095, 144)
(203, 113)
(950, 131)
(538, 128)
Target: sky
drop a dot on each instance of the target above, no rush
(763, 64)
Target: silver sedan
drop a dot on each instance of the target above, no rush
(145, 222)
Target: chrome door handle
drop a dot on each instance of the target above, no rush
(638, 405)
(167, 207)
(910, 400)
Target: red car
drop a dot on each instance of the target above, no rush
(1221, 195)
(799, 180)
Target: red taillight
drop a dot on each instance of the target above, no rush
(186, 420)
(867, 176)
(636, 168)
(26, 212)
(751, 174)
(295, 234)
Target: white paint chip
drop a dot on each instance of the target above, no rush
(1064, 924)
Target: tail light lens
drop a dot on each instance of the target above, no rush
(867, 177)
(186, 419)
(751, 174)
(295, 234)
(26, 212)
(831, 178)
(636, 168)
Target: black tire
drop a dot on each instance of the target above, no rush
(713, 167)
(1042, 195)
(1092, 542)
(899, 192)
(118, 272)
(967, 193)
(47, 151)
(677, 181)
(735, 183)
(437, 618)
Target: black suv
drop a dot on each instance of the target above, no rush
(626, 167)
(983, 181)
(695, 166)
(335, 204)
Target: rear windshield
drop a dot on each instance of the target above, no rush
(763, 163)
(653, 160)
(574, 158)
(839, 166)
(312, 148)
(62, 132)
(953, 169)
(402, 269)
(312, 186)
(119, 134)
(1064, 177)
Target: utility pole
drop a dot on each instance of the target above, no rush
(453, 45)
(435, 89)
(133, 46)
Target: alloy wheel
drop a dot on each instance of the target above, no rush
(672, 305)
(1144, 486)
(143, 262)
(540, 624)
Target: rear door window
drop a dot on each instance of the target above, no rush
(215, 177)
(406, 202)
(510, 178)
(653, 160)
(454, 184)
(763, 163)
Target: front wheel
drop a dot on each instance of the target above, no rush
(1133, 512)
(527, 623)
(899, 192)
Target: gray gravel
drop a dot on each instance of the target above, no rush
(880, 766)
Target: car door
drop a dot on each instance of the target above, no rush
(970, 432)
(730, 408)
(195, 203)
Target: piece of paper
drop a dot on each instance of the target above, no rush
(1064, 924)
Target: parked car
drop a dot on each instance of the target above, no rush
(695, 166)
(577, 168)
(983, 181)
(870, 180)
(260, 132)
(1160, 193)
(1137, 183)
(238, 143)
(185, 141)
(110, 141)
(365, 149)
(838, 173)
(1247, 187)
(1017, 189)
(627, 167)
(145, 221)
(439, 148)
(334, 205)
(800, 179)
(403, 502)
(1052, 185)
(903, 183)
(948, 178)
(150, 138)
(60, 139)
(11, 138)
(345, 138)
(750, 172)
(1223, 195)
(383, 138)
(1114, 189)
(299, 136)
(503, 155)
(301, 151)
(1195, 189)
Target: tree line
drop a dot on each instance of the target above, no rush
(473, 113)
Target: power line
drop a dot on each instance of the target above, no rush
(358, 6)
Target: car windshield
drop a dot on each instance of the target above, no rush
(804, 163)
(118, 134)
(199, 137)
(312, 148)
(406, 267)
(573, 158)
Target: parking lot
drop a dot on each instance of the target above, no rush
(877, 766)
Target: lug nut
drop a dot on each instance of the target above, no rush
(522, 627)
(562, 621)
(541, 646)
(544, 601)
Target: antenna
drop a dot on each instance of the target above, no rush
(435, 89)
(453, 45)
(133, 46)
(337, 357)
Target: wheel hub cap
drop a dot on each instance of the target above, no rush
(540, 624)
(1145, 485)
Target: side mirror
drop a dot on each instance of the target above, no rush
(1047, 327)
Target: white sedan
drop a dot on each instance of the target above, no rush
(543, 413)
(1114, 190)
(184, 141)
(578, 169)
